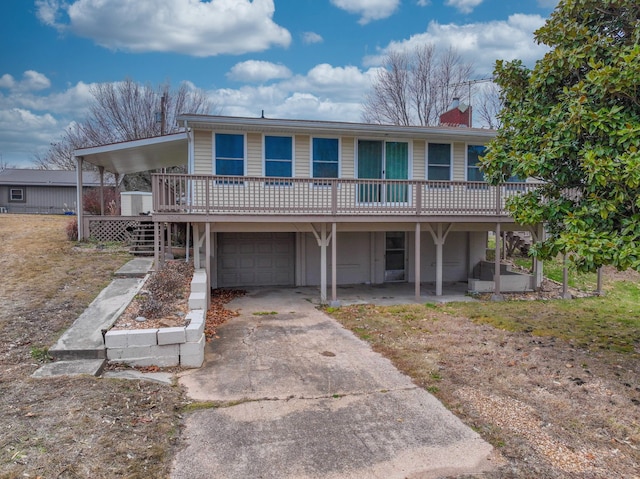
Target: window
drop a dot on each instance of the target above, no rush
(17, 195)
(229, 154)
(325, 157)
(439, 162)
(474, 152)
(278, 156)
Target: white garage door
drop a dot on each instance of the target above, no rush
(256, 259)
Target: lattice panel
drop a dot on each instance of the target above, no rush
(115, 230)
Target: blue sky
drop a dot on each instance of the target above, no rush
(311, 59)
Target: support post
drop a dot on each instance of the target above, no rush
(79, 198)
(599, 291)
(156, 245)
(207, 260)
(196, 245)
(439, 236)
(334, 267)
(417, 262)
(101, 170)
(186, 251)
(323, 263)
(439, 245)
(497, 295)
(565, 279)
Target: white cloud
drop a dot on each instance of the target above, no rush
(31, 81)
(479, 43)
(189, 27)
(423, 3)
(311, 37)
(325, 92)
(465, 6)
(368, 10)
(258, 71)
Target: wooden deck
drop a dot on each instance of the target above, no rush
(290, 197)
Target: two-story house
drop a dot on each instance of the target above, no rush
(300, 203)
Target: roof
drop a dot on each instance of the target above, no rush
(139, 155)
(27, 177)
(313, 126)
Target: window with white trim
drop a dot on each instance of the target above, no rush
(439, 162)
(325, 157)
(16, 195)
(474, 152)
(229, 154)
(278, 156)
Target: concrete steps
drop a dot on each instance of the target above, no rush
(81, 350)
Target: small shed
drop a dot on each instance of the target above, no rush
(134, 203)
(42, 191)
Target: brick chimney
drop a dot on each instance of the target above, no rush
(458, 114)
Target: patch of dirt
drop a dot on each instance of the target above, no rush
(163, 301)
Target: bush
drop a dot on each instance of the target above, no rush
(91, 200)
(164, 287)
(72, 230)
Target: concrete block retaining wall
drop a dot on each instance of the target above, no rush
(165, 347)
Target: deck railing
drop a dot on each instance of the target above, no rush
(244, 195)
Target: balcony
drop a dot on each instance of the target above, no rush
(175, 194)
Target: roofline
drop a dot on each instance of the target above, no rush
(123, 145)
(315, 125)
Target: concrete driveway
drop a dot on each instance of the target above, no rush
(304, 398)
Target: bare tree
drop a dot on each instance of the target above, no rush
(414, 88)
(489, 105)
(125, 111)
(4, 165)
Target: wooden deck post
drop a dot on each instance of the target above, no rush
(334, 262)
(497, 295)
(323, 263)
(417, 262)
(207, 260)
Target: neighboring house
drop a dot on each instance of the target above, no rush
(295, 202)
(41, 191)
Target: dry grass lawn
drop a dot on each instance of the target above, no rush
(68, 427)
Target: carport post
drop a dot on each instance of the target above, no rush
(101, 170)
(79, 201)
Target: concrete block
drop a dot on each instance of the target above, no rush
(162, 356)
(116, 338)
(192, 353)
(199, 281)
(171, 336)
(195, 328)
(193, 331)
(198, 300)
(142, 337)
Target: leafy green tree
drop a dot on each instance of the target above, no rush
(573, 122)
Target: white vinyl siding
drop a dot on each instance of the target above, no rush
(254, 154)
(419, 159)
(459, 162)
(348, 157)
(203, 152)
(302, 162)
